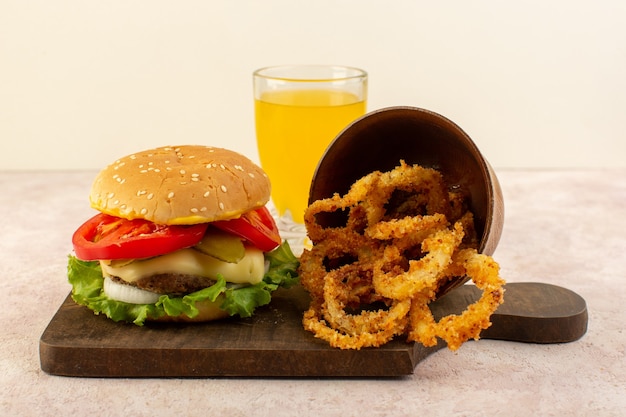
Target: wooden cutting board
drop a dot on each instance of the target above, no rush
(273, 343)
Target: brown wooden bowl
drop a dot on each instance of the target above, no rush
(380, 139)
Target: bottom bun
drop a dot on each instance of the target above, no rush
(207, 311)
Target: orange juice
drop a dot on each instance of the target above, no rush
(294, 127)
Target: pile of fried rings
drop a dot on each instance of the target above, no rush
(404, 236)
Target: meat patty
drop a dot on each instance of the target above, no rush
(171, 284)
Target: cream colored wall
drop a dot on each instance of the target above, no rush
(535, 83)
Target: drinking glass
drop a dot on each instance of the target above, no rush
(299, 109)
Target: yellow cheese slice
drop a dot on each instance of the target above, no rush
(249, 270)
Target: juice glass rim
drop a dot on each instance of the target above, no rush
(310, 73)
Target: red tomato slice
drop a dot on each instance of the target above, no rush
(257, 227)
(109, 237)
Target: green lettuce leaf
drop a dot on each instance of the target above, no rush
(87, 289)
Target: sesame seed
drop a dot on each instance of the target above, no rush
(251, 174)
(143, 171)
(206, 194)
(182, 172)
(194, 210)
(223, 188)
(110, 195)
(116, 202)
(221, 206)
(150, 196)
(222, 166)
(143, 211)
(171, 194)
(239, 167)
(203, 209)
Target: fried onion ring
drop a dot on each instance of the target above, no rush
(313, 322)
(355, 288)
(329, 254)
(384, 251)
(456, 329)
(420, 191)
(315, 231)
(422, 274)
(399, 228)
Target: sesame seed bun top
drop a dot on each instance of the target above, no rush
(180, 185)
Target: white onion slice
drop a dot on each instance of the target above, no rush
(128, 294)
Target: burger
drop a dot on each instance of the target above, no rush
(182, 234)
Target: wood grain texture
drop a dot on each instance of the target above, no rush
(273, 343)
